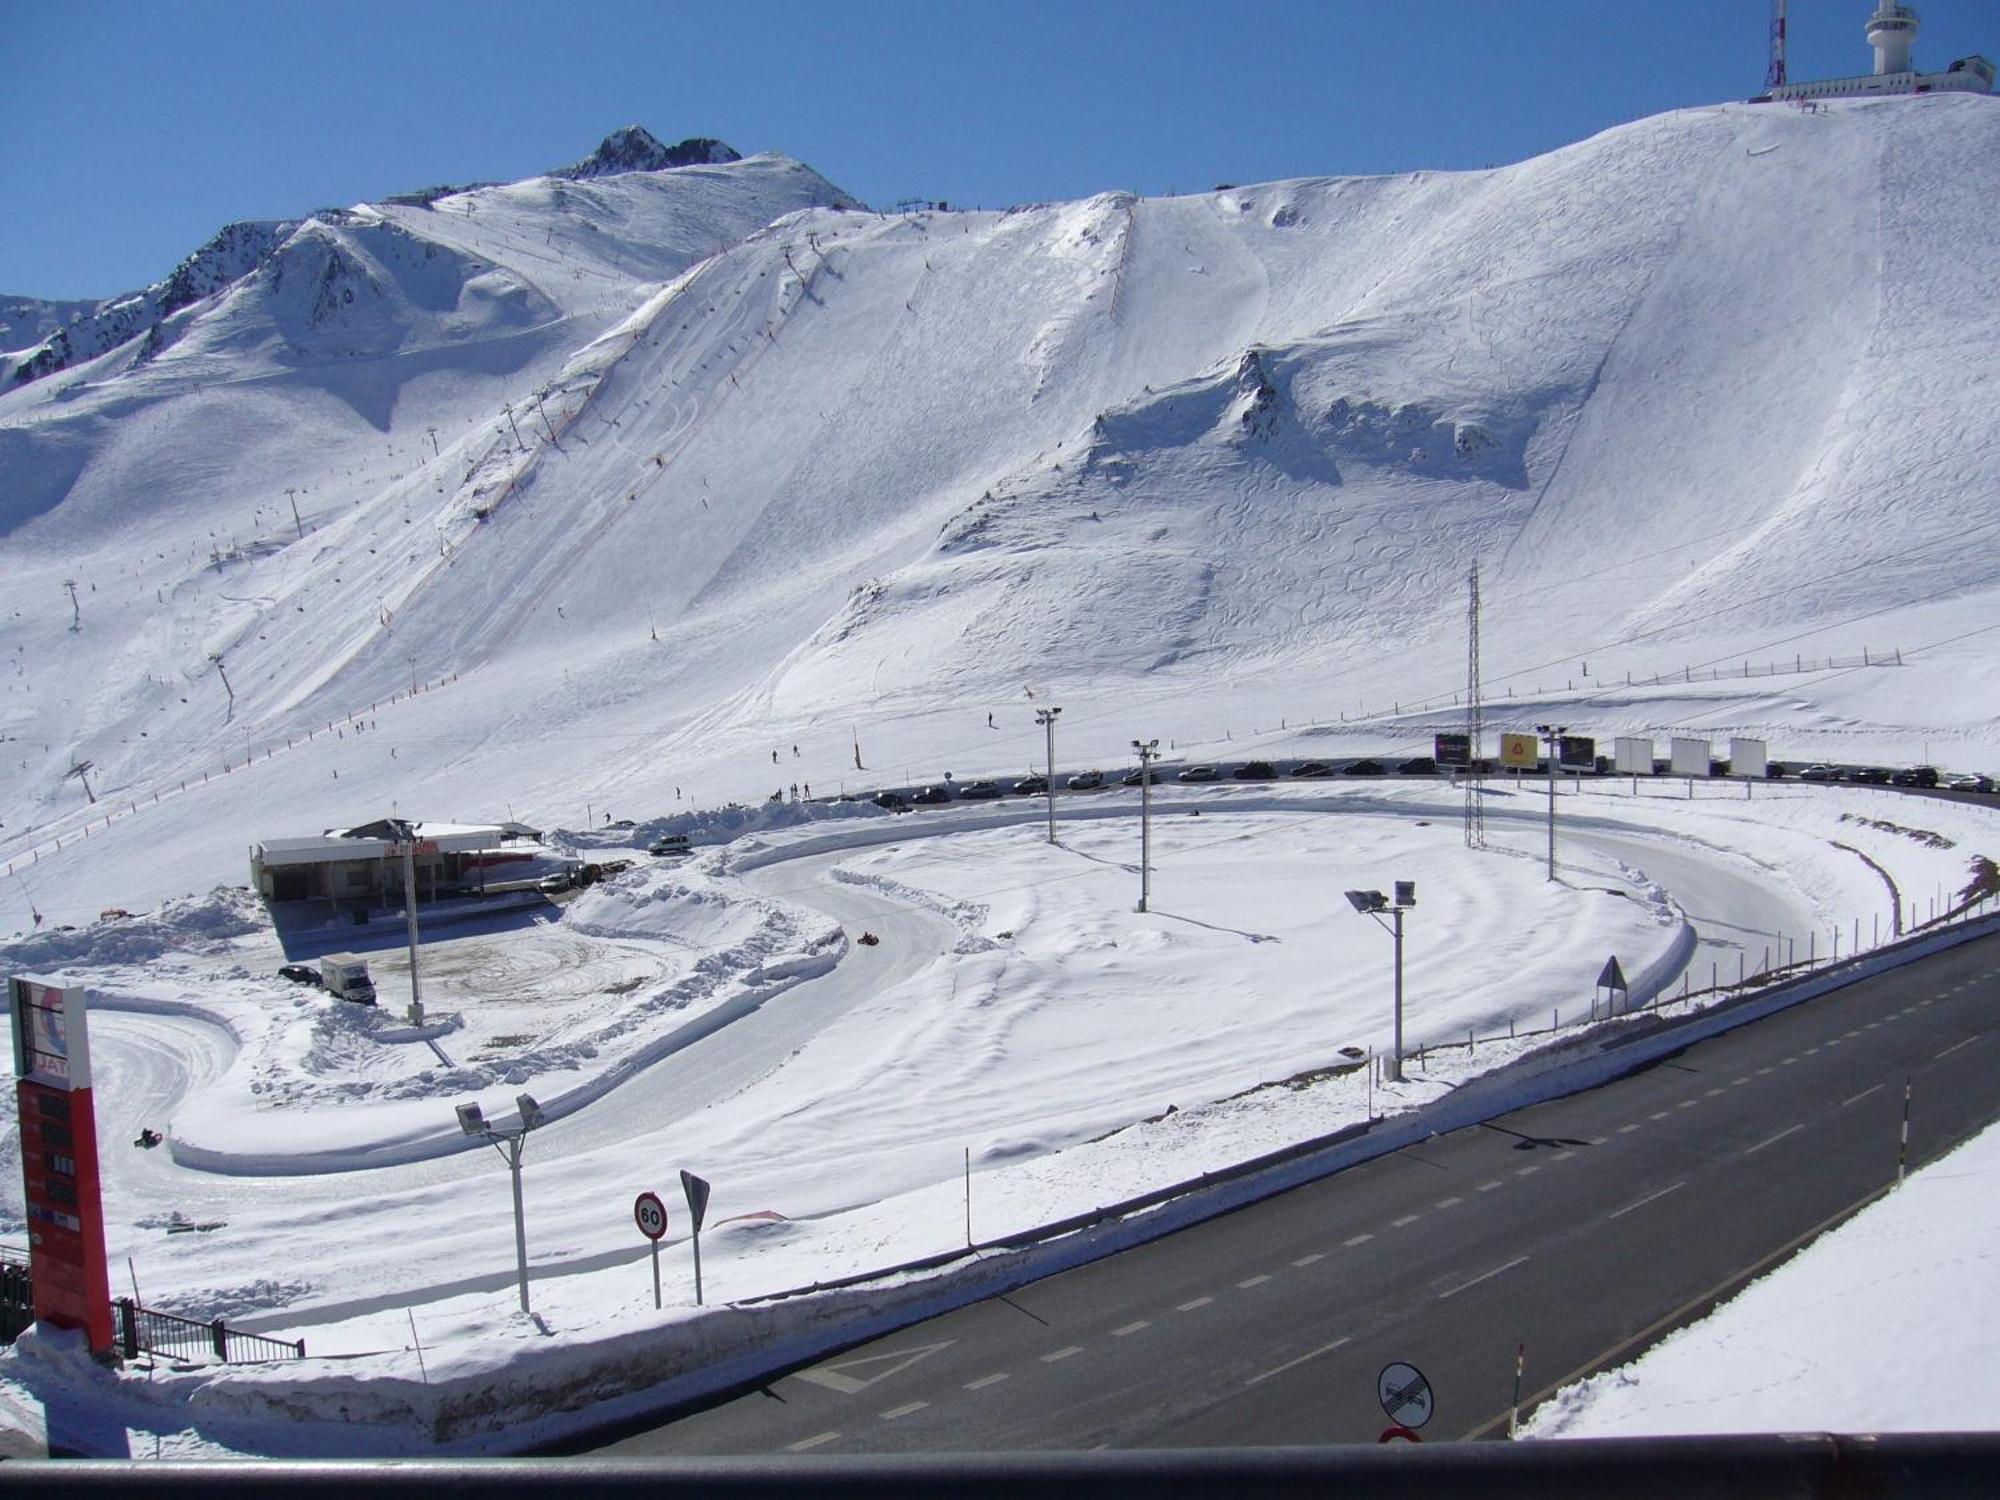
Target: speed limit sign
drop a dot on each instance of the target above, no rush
(651, 1215)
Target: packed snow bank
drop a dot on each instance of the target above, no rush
(1882, 1325)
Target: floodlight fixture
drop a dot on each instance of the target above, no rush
(531, 1112)
(471, 1119)
(1367, 901)
(1406, 893)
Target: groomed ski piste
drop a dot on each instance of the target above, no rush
(768, 489)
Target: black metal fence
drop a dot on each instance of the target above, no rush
(153, 1332)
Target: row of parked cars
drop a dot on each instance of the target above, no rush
(1910, 776)
(1089, 781)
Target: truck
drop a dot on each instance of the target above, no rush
(345, 977)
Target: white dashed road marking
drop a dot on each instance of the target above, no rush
(1649, 1198)
(1484, 1276)
(1191, 1306)
(1292, 1364)
(984, 1381)
(1249, 1282)
(1788, 1130)
(1306, 1260)
(1119, 1333)
(1064, 1353)
(1406, 1219)
(1356, 1239)
(894, 1413)
(812, 1442)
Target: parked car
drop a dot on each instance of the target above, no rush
(1199, 773)
(669, 846)
(978, 790)
(1134, 776)
(1870, 775)
(1819, 773)
(1418, 765)
(551, 885)
(1312, 768)
(1032, 786)
(1774, 770)
(1916, 776)
(1254, 770)
(300, 974)
(1364, 768)
(1969, 783)
(931, 795)
(893, 801)
(1086, 781)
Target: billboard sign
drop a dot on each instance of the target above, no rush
(1747, 758)
(1578, 750)
(1634, 756)
(1452, 749)
(1690, 757)
(59, 1168)
(1520, 752)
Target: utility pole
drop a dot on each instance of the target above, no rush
(1148, 752)
(1046, 717)
(1475, 808)
(292, 494)
(1553, 733)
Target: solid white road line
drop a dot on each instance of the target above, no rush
(1860, 1096)
(1293, 1364)
(1788, 1130)
(1649, 1198)
(1955, 1046)
(1485, 1276)
(812, 1442)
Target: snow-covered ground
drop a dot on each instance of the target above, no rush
(1883, 1325)
(645, 496)
(1016, 1007)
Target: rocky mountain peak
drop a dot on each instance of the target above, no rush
(636, 149)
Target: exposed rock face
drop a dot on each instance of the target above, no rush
(636, 149)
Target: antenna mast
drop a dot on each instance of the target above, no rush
(1475, 810)
(1774, 77)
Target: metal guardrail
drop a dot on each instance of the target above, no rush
(147, 1330)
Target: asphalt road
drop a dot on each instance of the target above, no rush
(1582, 1229)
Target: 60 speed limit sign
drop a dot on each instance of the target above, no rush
(651, 1215)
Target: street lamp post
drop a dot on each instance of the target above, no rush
(406, 832)
(509, 1142)
(1148, 752)
(1372, 904)
(1553, 733)
(1046, 717)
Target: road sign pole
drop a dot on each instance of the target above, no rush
(657, 1301)
(696, 1239)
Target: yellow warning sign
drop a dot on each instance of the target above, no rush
(1520, 751)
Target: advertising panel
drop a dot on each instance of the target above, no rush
(1747, 758)
(1634, 756)
(1452, 749)
(1520, 752)
(59, 1166)
(1690, 757)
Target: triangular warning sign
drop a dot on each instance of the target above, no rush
(1613, 977)
(833, 1379)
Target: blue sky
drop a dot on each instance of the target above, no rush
(135, 130)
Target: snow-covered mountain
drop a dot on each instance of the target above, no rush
(664, 472)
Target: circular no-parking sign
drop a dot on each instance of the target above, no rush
(650, 1214)
(1405, 1394)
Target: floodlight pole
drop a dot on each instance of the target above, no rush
(1396, 1060)
(513, 1149)
(409, 833)
(1553, 733)
(1149, 751)
(1046, 717)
